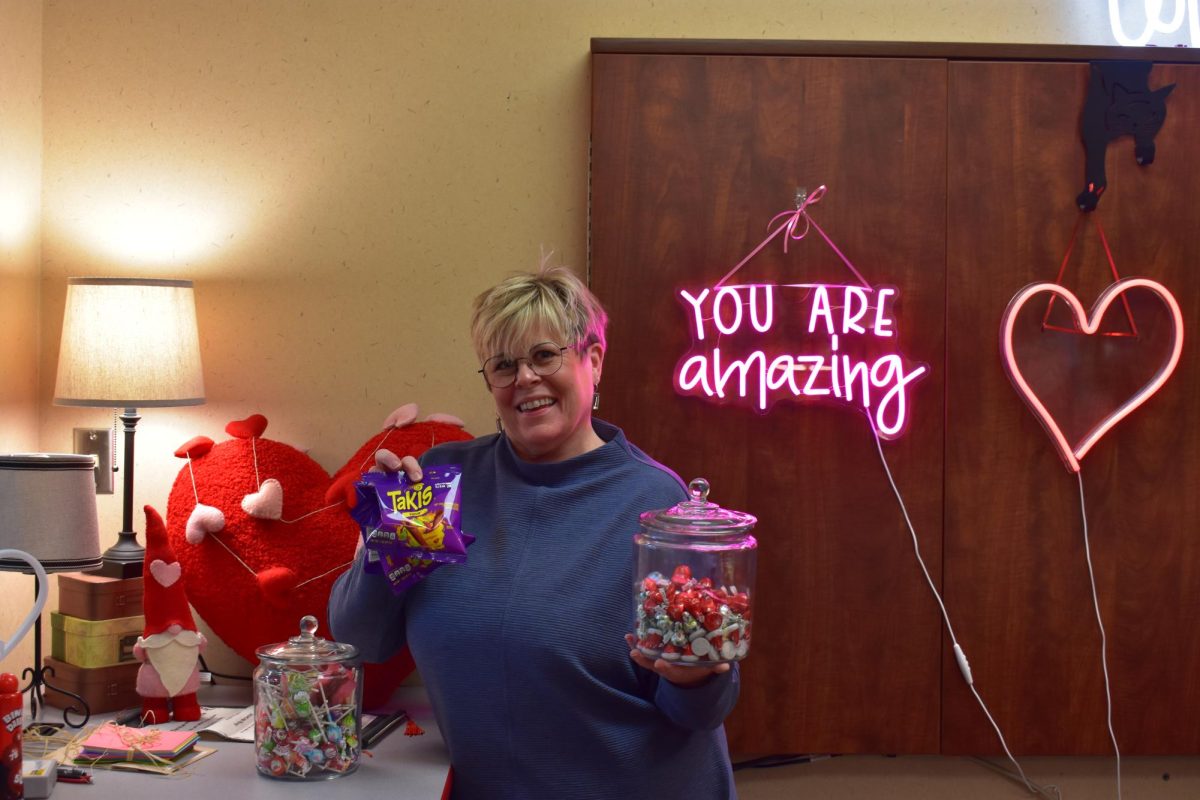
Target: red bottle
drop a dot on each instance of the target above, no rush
(12, 708)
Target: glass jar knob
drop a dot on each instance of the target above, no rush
(698, 489)
(308, 628)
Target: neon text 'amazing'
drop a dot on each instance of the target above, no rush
(747, 335)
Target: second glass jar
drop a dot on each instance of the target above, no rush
(694, 569)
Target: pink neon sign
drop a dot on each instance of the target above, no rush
(1072, 454)
(755, 349)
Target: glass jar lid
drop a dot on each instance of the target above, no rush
(698, 516)
(307, 648)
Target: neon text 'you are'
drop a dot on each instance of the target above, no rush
(759, 343)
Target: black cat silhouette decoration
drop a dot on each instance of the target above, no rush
(1119, 103)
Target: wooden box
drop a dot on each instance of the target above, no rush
(85, 595)
(94, 643)
(110, 688)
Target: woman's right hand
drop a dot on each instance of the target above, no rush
(387, 461)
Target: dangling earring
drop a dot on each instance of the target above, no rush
(499, 426)
(596, 398)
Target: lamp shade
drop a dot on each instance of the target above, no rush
(129, 342)
(48, 509)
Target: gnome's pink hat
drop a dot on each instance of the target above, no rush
(165, 602)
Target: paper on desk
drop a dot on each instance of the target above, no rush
(162, 768)
(166, 768)
(231, 724)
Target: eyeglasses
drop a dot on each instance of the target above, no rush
(544, 359)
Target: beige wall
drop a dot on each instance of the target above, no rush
(20, 219)
(339, 178)
(20, 264)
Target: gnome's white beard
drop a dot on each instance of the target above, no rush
(173, 656)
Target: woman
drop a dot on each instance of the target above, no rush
(524, 650)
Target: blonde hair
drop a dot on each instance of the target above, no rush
(552, 299)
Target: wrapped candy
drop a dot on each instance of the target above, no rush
(692, 621)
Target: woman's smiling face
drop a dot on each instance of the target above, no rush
(549, 417)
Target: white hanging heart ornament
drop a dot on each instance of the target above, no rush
(7, 646)
(203, 520)
(404, 415)
(267, 502)
(449, 419)
(166, 574)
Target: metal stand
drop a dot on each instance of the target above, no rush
(124, 559)
(37, 680)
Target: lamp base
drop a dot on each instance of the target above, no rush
(38, 684)
(124, 559)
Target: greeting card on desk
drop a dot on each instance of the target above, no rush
(110, 743)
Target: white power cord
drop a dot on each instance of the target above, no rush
(1087, 550)
(1048, 791)
(963, 665)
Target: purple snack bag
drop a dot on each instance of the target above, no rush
(411, 528)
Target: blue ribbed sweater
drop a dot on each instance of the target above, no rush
(522, 648)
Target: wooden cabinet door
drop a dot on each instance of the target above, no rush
(1015, 573)
(691, 157)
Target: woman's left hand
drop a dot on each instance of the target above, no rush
(675, 673)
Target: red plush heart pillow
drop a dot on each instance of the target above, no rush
(274, 556)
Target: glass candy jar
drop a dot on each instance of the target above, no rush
(307, 707)
(694, 581)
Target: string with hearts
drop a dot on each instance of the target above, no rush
(267, 502)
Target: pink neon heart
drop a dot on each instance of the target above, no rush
(267, 502)
(166, 574)
(203, 520)
(1089, 324)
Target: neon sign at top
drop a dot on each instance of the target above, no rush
(1155, 22)
(750, 346)
(840, 346)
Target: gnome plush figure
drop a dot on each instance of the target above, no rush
(170, 645)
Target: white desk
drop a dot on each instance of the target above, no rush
(400, 768)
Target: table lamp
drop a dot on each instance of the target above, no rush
(128, 343)
(48, 510)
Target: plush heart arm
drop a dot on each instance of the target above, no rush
(277, 585)
(342, 490)
(194, 447)
(251, 427)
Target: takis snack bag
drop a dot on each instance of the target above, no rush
(411, 528)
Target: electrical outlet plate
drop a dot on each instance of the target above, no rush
(97, 442)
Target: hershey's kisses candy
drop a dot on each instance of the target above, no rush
(692, 621)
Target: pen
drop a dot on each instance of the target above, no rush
(380, 727)
(73, 775)
(374, 725)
